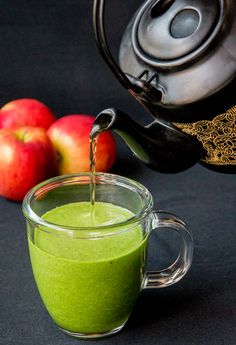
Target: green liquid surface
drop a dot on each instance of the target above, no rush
(88, 285)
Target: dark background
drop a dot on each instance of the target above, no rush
(48, 52)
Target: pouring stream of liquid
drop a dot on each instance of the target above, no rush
(93, 145)
(95, 131)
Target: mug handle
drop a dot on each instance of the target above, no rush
(176, 271)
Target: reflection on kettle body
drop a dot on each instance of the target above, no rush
(178, 59)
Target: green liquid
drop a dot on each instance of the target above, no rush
(88, 286)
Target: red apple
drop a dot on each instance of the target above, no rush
(26, 112)
(27, 158)
(70, 137)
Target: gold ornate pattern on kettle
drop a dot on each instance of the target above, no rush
(217, 136)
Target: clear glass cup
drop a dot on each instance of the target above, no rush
(93, 297)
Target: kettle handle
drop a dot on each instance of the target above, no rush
(101, 40)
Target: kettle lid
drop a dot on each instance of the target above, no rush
(168, 30)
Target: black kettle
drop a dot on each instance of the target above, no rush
(178, 59)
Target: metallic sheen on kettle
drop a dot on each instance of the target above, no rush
(178, 59)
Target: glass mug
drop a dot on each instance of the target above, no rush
(89, 277)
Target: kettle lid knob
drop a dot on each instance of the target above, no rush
(168, 30)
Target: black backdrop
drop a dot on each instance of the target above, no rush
(47, 51)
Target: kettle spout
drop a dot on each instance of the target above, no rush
(159, 145)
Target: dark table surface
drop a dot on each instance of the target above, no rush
(48, 52)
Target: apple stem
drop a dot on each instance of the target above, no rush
(24, 135)
(59, 156)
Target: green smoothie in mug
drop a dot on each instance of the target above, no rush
(89, 265)
(87, 285)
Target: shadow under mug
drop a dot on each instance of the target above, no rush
(93, 297)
